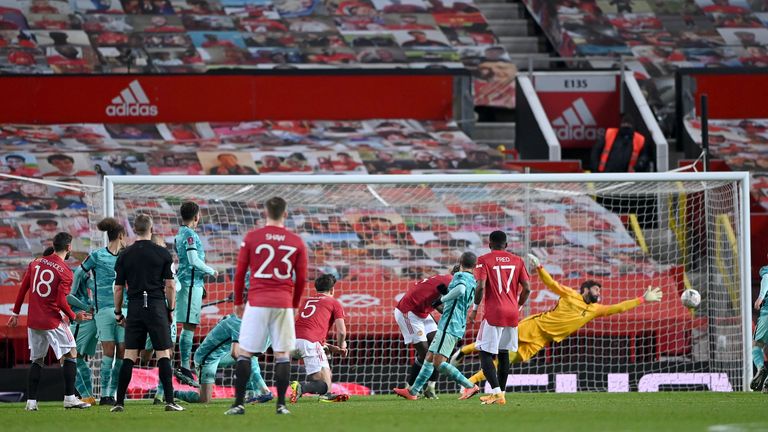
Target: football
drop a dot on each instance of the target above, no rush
(690, 298)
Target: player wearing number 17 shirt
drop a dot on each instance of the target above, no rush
(48, 281)
(502, 281)
(277, 260)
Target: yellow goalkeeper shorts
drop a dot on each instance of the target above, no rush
(531, 339)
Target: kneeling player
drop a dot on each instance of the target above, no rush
(413, 316)
(312, 325)
(450, 329)
(573, 311)
(218, 350)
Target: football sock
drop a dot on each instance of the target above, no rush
(316, 387)
(282, 377)
(115, 374)
(415, 369)
(126, 372)
(187, 396)
(185, 347)
(34, 380)
(166, 377)
(426, 371)
(486, 361)
(435, 376)
(105, 375)
(242, 375)
(757, 357)
(468, 349)
(84, 381)
(503, 365)
(257, 381)
(454, 374)
(69, 367)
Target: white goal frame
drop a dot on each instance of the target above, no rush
(742, 177)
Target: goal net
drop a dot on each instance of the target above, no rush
(380, 234)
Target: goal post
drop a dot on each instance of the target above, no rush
(381, 233)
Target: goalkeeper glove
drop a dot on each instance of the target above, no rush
(652, 294)
(442, 289)
(533, 260)
(436, 302)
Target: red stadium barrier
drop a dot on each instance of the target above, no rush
(192, 98)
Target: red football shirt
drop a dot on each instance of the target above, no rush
(273, 254)
(49, 281)
(316, 317)
(420, 296)
(503, 273)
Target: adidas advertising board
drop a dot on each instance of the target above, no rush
(131, 102)
(579, 106)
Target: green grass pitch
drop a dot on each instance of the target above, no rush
(671, 411)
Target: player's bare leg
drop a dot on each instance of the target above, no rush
(206, 393)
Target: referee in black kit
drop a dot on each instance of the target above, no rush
(146, 268)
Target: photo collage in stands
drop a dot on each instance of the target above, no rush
(356, 242)
(662, 36)
(172, 36)
(743, 145)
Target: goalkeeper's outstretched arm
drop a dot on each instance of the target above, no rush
(651, 295)
(553, 285)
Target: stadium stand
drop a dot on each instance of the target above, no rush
(83, 36)
(82, 153)
(661, 35)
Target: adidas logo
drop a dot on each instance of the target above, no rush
(132, 101)
(577, 123)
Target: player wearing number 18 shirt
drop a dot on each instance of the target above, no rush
(500, 277)
(277, 260)
(48, 281)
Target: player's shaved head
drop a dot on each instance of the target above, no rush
(188, 211)
(468, 260)
(497, 240)
(61, 242)
(325, 282)
(276, 208)
(142, 224)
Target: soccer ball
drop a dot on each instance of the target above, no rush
(690, 298)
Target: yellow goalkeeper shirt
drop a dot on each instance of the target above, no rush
(572, 312)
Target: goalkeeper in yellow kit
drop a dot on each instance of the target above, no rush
(573, 311)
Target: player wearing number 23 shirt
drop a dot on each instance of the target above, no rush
(277, 260)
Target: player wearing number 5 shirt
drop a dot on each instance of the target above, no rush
(500, 276)
(277, 260)
(48, 281)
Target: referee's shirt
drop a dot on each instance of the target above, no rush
(144, 267)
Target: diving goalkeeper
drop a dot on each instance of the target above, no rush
(573, 311)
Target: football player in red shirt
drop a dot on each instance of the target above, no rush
(49, 281)
(413, 317)
(500, 277)
(317, 315)
(275, 256)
